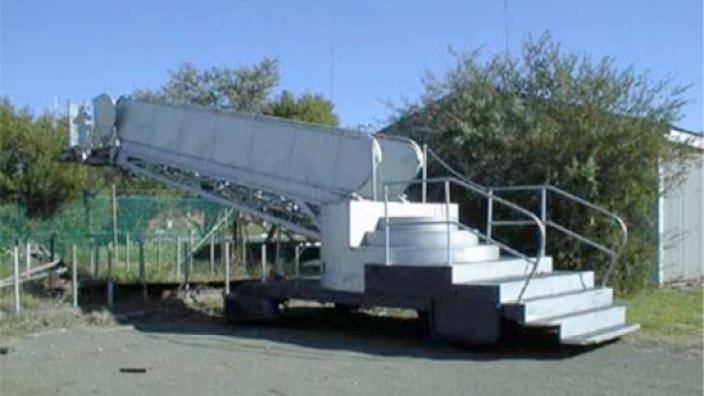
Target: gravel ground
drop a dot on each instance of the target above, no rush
(321, 352)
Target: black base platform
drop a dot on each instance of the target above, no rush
(456, 312)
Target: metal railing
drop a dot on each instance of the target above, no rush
(448, 182)
(613, 252)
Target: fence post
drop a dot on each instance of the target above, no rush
(91, 256)
(29, 257)
(159, 240)
(297, 261)
(142, 269)
(111, 286)
(189, 266)
(127, 253)
(227, 267)
(263, 257)
(96, 268)
(178, 259)
(212, 254)
(16, 262)
(279, 265)
(74, 276)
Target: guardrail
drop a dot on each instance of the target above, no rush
(448, 182)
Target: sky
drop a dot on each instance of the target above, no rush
(363, 54)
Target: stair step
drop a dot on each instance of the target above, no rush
(534, 309)
(463, 273)
(420, 224)
(420, 256)
(602, 335)
(584, 322)
(403, 237)
(540, 285)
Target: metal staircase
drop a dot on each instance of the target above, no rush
(566, 301)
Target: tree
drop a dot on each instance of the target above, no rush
(30, 173)
(554, 117)
(245, 89)
(307, 107)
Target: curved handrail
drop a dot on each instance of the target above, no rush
(486, 194)
(614, 253)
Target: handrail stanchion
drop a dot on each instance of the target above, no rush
(387, 226)
(447, 220)
(543, 204)
(425, 172)
(490, 213)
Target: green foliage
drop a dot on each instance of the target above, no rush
(240, 89)
(307, 107)
(30, 173)
(553, 117)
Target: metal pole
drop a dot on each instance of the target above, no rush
(279, 266)
(127, 256)
(178, 258)
(96, 269)
(227, 267)
(114, 223)
(374, 177)
(387, 227)
(16, 260)
(297, 261)
(74, 276)
(543, 205)
(425, 172)
(28, 257)
(91, 248)
(212, 254)
(189, 266)
(142, 269)
(490, 214)
(263, 257)
(159, 243)
(111, 286)
(447, 220)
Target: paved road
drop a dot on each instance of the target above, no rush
(312, 354)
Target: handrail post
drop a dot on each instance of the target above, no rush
(387, 227)
(447, 222)
(374, 178)
(490, 213)
(543, 204)
(425, 172)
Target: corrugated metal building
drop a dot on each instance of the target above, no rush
(681, 218)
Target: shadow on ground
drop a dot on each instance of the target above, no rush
(323, 328)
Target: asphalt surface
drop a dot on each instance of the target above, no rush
(325, 354)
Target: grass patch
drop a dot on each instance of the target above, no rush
(668, 316)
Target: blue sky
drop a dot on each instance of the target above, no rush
(361, 53)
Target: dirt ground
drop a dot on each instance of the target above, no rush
(315, 351)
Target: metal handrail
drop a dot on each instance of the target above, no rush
(613, 253)
(447, 181)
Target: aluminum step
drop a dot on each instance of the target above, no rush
(583, 322)
(602, 335)
(534, 309)
(419, 256)
(540, 285)
(463, 273)
(405, 237)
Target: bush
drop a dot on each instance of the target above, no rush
(563, 119)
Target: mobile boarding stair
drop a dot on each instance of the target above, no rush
(347, 190)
